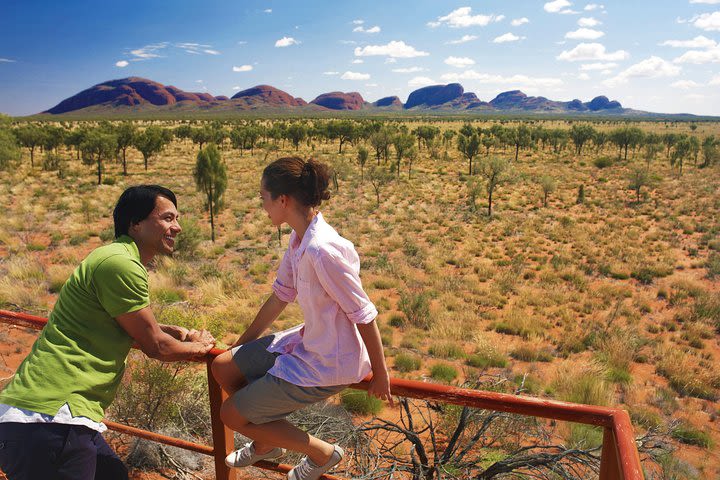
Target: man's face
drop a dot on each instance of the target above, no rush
(156, 234)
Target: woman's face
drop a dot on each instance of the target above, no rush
(275, 208)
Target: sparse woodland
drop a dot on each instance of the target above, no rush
(555, 258)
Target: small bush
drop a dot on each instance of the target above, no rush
(484, 360)
(405, 362)
(530, 353)
(358, 401)
(187, 243)
(416, 307)
(586, 385)
(397, 321)
(443, 372)
(689, 435)
(603, 162)
(713, 266)
(446, 350)
(584, 436)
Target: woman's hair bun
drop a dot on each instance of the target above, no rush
(305, 180)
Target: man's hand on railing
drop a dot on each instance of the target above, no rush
(204, 338)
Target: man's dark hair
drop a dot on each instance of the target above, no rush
(136, 203)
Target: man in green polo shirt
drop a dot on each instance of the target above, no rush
(51, 411)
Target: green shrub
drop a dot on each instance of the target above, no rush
(416, 307)
(358, 401)
(187, 243)
(530, 353)
(443, 372)
(446, 350)
(713, 265)
(584, 436)
(405, 362)
(689, 435)
(583, 384)
(397, 321)
(603, 162)
(487, 360)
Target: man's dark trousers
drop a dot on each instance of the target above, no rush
(53, 451)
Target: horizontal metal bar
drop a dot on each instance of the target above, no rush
(156, 437)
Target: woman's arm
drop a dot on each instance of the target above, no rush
(270, 310)
(380, 382)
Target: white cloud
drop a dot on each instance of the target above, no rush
(347, 42)
(584, 34)
(463, 39)
(236, 87)
(685, 84)
(714, 81)
(390, 60)
(7, 60)
(519, 21)
(698, 57)
(357, 61)
(408, 70)
(708, 21)
(362, 29)
(355, 76)
(242, 42)
(698, 42)
(653, 67)
(211, 52)
(121, 63)
(707, 2)
(421, 82)
(268, 10)
(593, 6)
(568, 11)
(461, 18)
(507, 37)
(517, 80)
(556, 6)
(591, 51)
(586, 67)
(331, 73)
(358, 22)
(149, 51)
(396, 49)
(583, 76)
(286, 42)
(459, 62)
(243, 68)
(588, 22)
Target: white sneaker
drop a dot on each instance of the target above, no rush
(307, 470)
(246, 456)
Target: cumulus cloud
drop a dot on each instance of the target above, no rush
(597, 66)
(519, 21)
(593, 6)
(462, 17)
(707, 2)
(685, 84)
(361, 29)
(556, 6)
(357, 61)
(243, 68)
(395, 49)
(653, 67)
(507, 37)
(121, 63)
(463, 39)
(421, 82)
(355, 76)
(698, 42)
(408, 70)
(516, 80)
(588, 22)
(698, 57)
(584, 34)
(708, 21)
(286, 42)
(591, 51)
(459, 62)
(358, 22)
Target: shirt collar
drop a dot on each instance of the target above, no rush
(130, 244)
(311, 231)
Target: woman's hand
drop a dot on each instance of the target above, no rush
(379, 387)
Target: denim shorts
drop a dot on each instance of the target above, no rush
(267, 398)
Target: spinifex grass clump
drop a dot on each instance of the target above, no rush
(405, 362)
(358, 401)
(443, 372)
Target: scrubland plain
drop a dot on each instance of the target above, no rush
(577, 287)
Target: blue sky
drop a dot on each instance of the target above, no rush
(661, 56)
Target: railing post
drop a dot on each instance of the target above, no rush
(223, 439)
(609, 461)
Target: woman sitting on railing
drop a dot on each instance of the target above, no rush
(338, 345)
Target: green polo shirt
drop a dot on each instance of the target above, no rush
(79, 358)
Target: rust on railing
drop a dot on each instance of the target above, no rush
(619, 460)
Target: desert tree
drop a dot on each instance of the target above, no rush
(51, 137)
(695, 148)
(626, 137)
(212, 133)
(75, 137)
(580, 135)
(124, 134)
(97, 147)
(681, 151)
(150, 142)
(519, 137)
(652, 146)
(404, 145)
(548, 186)
(9, 148)
(342, 130)
(379, 176)
(469, 146)
(488, 141)
(638, 178)
(296, 133)
(558, 139)
(381, 141)
(710, 151)
(30, 137)
(362, 156)
(599, 140)
(426, 135)
(447, 137)
(211, 179)
(669, 140)
(495, 171)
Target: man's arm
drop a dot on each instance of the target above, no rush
(270, 310)
(380, 383)
(155, 343)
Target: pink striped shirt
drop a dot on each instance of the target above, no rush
(322, 273)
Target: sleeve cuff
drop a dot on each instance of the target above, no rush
(285, 294)
(365, 315)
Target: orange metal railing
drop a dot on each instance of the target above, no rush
(619, 460)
